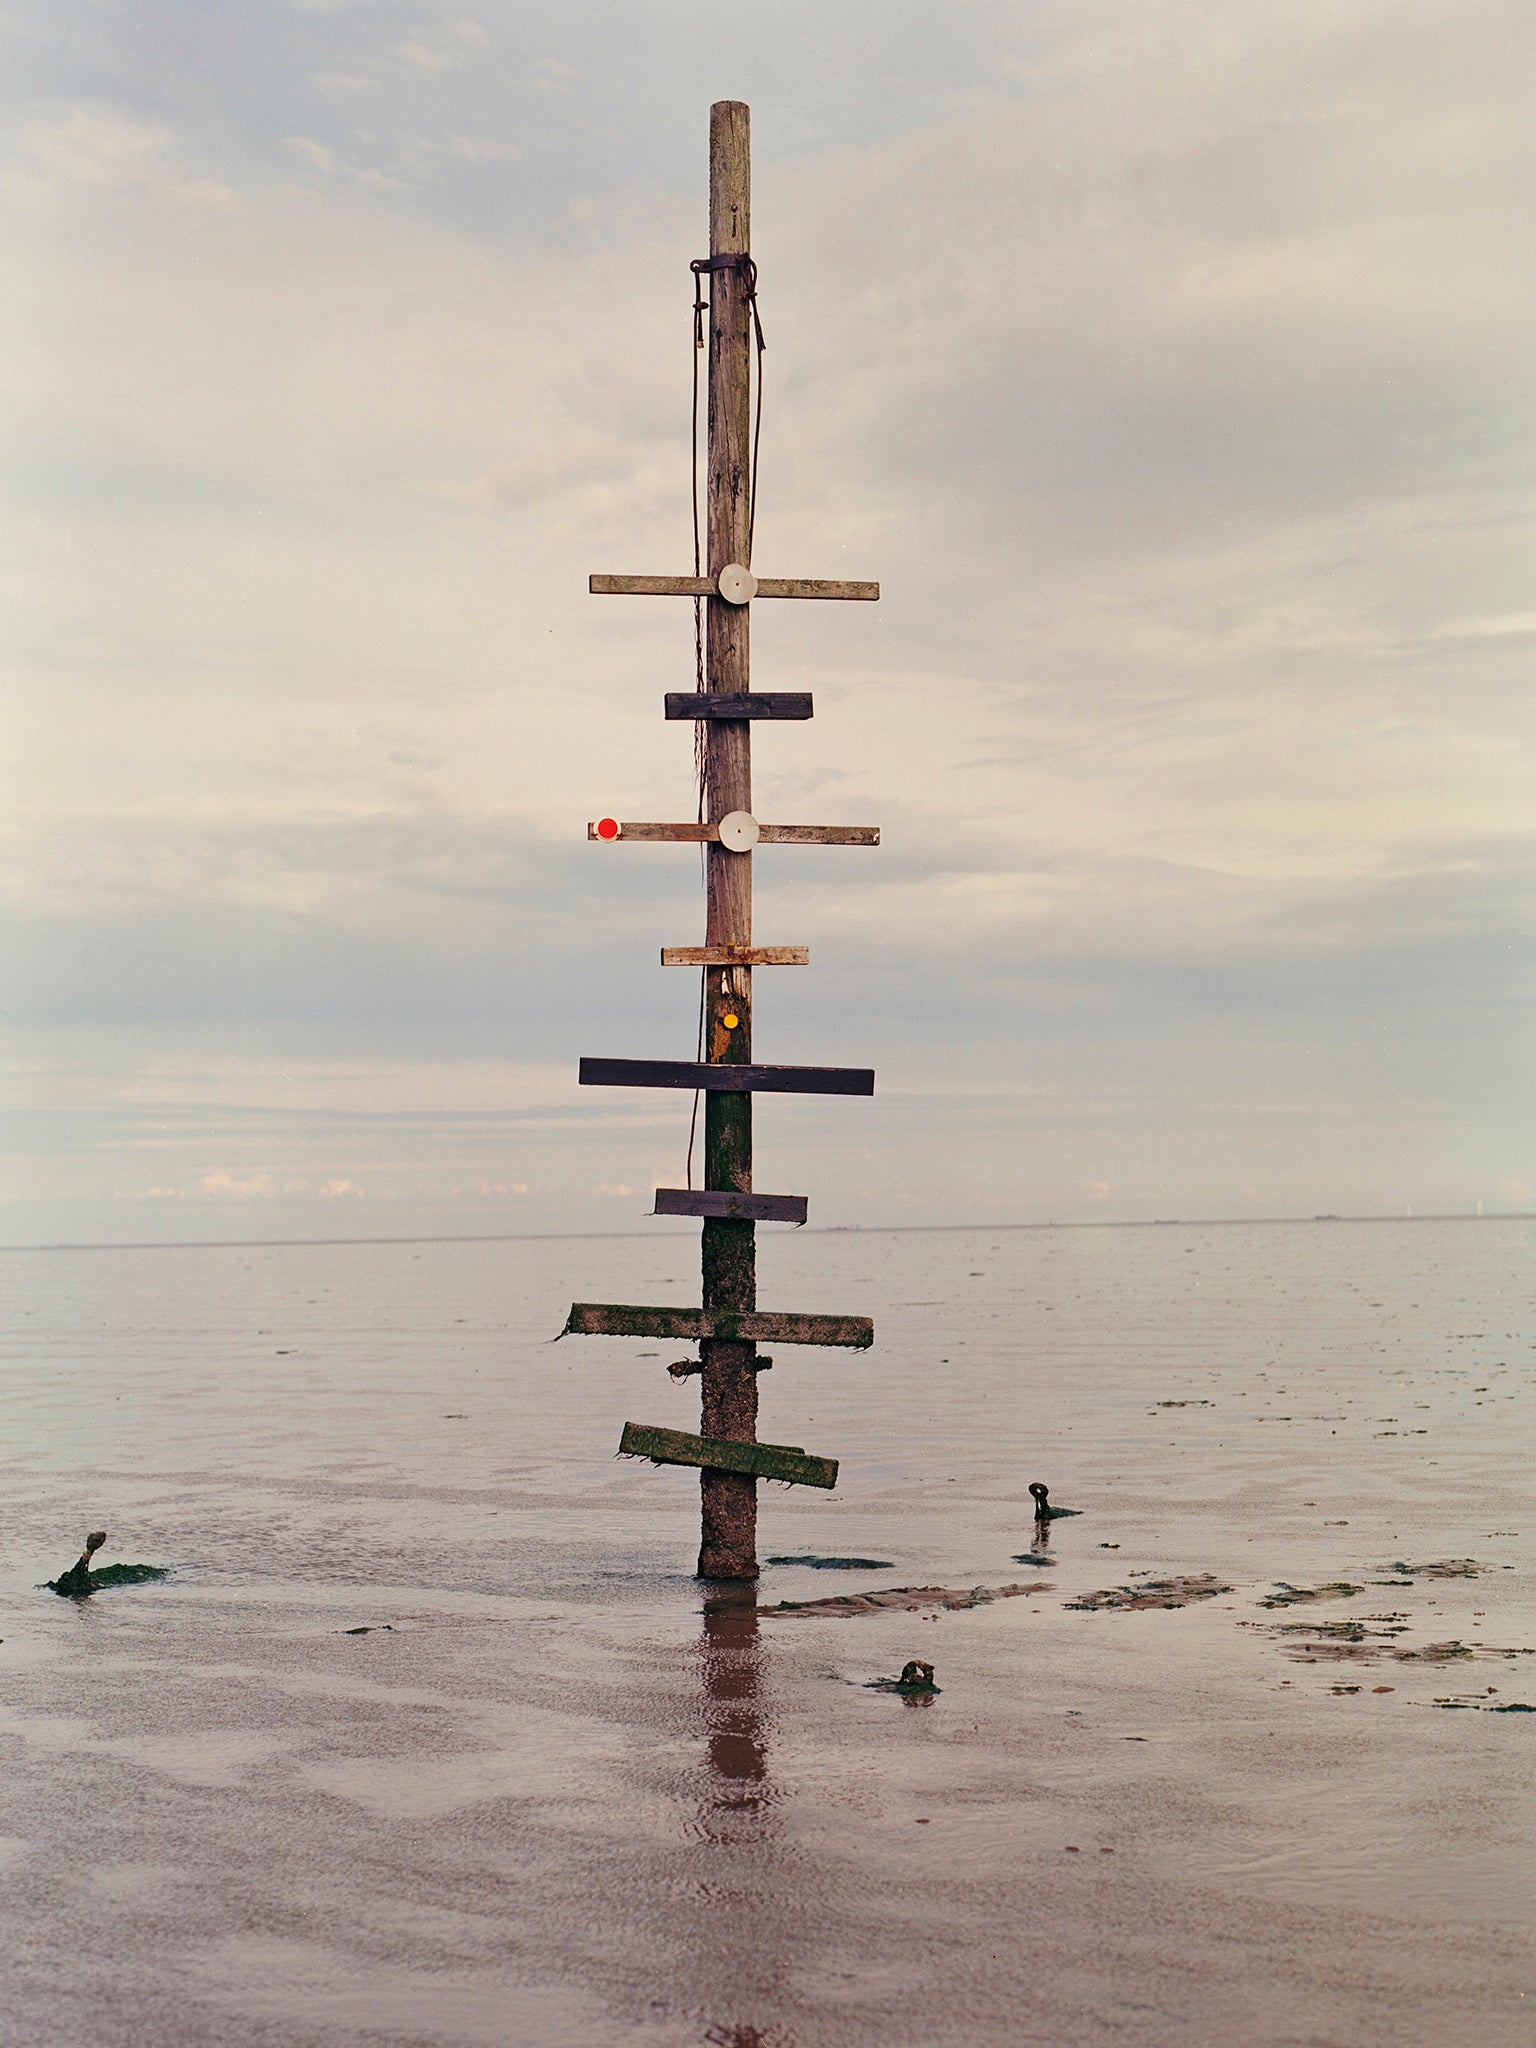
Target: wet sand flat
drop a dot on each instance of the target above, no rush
(554, 1795)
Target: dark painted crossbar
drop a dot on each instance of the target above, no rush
(739, 704)
(730, 1203)
(730, 1326)
(721, 1078)
(763, 1461)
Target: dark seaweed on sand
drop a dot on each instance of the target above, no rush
(1154, 1593)
(80, 1580)
(838, 1564)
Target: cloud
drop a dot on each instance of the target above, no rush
(314, 153)
(472, 149)
(221, 1185)
(1174, 396)
(459, 41)
(86, 144)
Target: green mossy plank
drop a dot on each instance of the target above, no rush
(763, 1461)
(623, 1319)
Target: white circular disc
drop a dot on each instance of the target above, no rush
(738, 831)
(736, 584)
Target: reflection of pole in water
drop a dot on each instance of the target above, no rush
(730, 1653)
(743, 1955)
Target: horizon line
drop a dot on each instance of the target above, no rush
(217, 1244)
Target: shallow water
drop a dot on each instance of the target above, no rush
(553, 1798)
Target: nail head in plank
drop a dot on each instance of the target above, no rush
(763, 1461)
(730, 1326)
(726, 1078)
(735, 956)
(697, 704)
(730, 1203)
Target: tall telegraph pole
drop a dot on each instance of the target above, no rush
(728, 1325)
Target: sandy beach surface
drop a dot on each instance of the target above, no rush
(430, 1737)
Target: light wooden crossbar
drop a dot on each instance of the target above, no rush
(767, 835)
(704, 586)
(735, 956)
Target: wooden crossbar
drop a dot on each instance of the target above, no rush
(729, 1326)
(767, 835)
(725, 1078)
(730, 1203)
(704, 586)
(763, 1461)
(735, 956)
(696, 704)
(818, 835)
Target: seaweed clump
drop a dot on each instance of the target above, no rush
(1154, 1593)
(1287, 1595)
(916, 1676)
(80, 1580)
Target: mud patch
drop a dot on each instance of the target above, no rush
(903, 1600)
(1154, 1593)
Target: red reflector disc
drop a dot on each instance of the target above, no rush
(607, 828)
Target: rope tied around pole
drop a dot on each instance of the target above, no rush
(748, 268)
(701, 266)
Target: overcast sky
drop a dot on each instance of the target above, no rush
(1170, 364)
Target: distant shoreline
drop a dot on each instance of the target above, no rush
(231, 1244)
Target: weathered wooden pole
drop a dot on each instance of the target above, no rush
(728, 1539)
(727, 1325)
